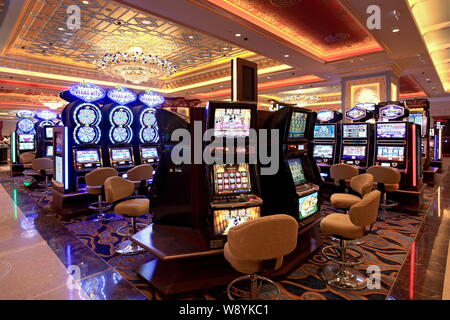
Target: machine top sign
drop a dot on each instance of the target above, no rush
(356, 113)
(46, 115)
(369, 106)
(25, 114)
(392, 111)
(122, 95)
(325, 115)
(151, 99)
(87, 92)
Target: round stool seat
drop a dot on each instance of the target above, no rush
(341, 225)
(133, 207)
(344, 200)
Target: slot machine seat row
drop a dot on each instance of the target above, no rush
(361, 184)
(41, 167)
(347, 227)
(255, 246)
(26, 159)
(95, 185)
(341, 173)
(387, 179)
(139, 175)
(117, 192)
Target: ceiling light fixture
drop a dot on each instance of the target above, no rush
(286, 56)
(237, 34)
(395, 30)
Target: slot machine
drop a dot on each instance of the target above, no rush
(146, 140)
(356, 146)
(397, 145)
(24, 137)
(117, 148)
(233, 183)
(419, 113)
(326, 139)
(44, 133)
(77, 144)
(294, 189)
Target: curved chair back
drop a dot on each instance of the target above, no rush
(42, 164)
(343, 171)
(27, 157)
(265, 238)
(385, 175)
(117, 188)
(362, 183)
(98, 176)
(140, 172)
(364, 213)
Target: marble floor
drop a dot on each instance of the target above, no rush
(40, 257)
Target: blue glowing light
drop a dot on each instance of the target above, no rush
(122, 95)
(87, 92)
(151, 98)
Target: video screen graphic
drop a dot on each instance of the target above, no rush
(391, 153)
(224, 220)
(386, 130)
(298, 125)
(149, 153)
(308, 205)
(26, 138)
(49, 151)
(323, 151)
(295, 165)
(324, 131)
(87, 156)
(231, 178)
(48, 132)
(232, 123)
(120, 155)
(354, 153)
(24, 146)
(358, 131)
(59, 169)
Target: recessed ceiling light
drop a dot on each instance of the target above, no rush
(85, 2)
(237, 34)
(28, 79)
(191, 37)
(268, 78)
(395, 29)
(286, 56)
(351, 61)
(60, 29)
(225, 48)
(146, 21)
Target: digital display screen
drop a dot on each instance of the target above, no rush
(59, 169)
(358, 131)
(308, 205)
(87, 156)
(297, 126)
(232, 123)
(354, 152)
(121, 154)
(26, 146)
(323, 151)
(389, 130)
(324, 131)
(58, 142)
(224, 220)
(231, 178)
(391, 153)
(49, 151)
(297, 171)
(48, 132)
(26, 138)
(419, 119)
(149, 153)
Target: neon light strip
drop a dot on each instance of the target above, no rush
(411, 272)
(66, 158)
(414, 159)
(440, 141)
(13, 148)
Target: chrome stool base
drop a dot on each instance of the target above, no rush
(102, 217)
(129, 229)
(343, 277)
(253, 287)
(352, 256)
(100, 205)
(128, 248)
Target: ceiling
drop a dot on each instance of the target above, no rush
(297, 44)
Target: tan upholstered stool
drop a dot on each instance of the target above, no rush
(387, 180)
(118, 190)
(362, 184)
(342, 173)
(26, 159)
(41, 167)
(254, 244)
(348, 227)
(95, 185)
(139, 176)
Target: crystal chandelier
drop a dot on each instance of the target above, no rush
(50, 101)
(301, 99)
(134, 65)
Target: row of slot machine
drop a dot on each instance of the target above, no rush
(237, 187)
(115, 128)
(390, 142)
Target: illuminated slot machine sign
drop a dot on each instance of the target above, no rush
(232, 122)
(325, 115)
(356, 114)
(386, 130)
(25, 130)
(26, 142)
(392, 112)
(87, 159)
(355, 131)
(324, 131)
(121, 156)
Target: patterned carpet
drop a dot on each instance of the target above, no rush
(386, 246)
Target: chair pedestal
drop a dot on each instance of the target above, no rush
(100, 207)
(127, 247)
(386, 204)
(253, 287)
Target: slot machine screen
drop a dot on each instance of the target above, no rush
(308, 205)
(358, 131)
(87, 156)
(26, 138)
(295, 165)
(58, 142)
(49, 151)
(386, 130)
(297, 126)
(232, 178)
(391, 153)
(59, 169)
(323, 151)
(48, 132)
(120, 155)
(354, 152)
(232, 123)
(324, 131)
(226, 219)
(149, 153)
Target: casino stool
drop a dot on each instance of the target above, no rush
(348, 227)
(95, 185)
(26, 159)
(139, 176)
(361, 184)
(341, 173)
(117, 191)
(255, 246)
(41, 167)
(387, 179)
